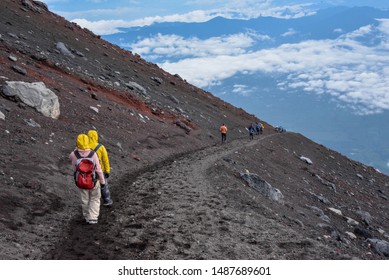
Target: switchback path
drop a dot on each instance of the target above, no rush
(181, 210)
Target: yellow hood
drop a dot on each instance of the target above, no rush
(93, 137)
(82, 142)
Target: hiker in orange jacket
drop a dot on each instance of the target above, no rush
(223, 130)
(102, 154)
(90, 198)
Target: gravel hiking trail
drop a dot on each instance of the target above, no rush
(183, 208)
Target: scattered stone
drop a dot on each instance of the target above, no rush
(327, 227)
(180, 110)
(13, 35)
(64, 50)
(136, 87)
(381, 246)
(174, 99)
(326, 183)
(183, 126)
(321, 198)
(351, 221)
(307, 160)
(41, 4)
(257, 183)
(32, 123)
(320, 213)
(35, 6)
(360, 231)
(382, 195)
(360, 176)
(94, 109)
(365, 216)
(157, 80)
(39, 56)
(336, 211)
(2, 116)
(351, 235)
(94, 96)
(13, 58)
(35, 95)
(19, 70)
(80, 54)
(178, 76)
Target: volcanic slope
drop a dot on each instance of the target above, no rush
(178, 192)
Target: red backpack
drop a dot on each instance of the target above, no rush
(85, 174)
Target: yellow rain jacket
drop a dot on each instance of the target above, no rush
(101, 152)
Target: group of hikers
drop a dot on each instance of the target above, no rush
(90, 158)
(252, 129)
(92, 169)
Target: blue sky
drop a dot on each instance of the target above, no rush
(104, 16)
(319, 66)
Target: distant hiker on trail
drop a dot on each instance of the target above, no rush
(259, 128)
(223, 130)
(86, 165)
(102, 154)
(279, 129)
(251, 130)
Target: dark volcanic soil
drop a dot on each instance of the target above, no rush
(178, 193)
(197, 207)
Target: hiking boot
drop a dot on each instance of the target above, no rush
(108, 203)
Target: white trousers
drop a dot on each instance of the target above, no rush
(90, 202)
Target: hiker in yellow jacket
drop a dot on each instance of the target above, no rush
(102, 154)
(90, 198)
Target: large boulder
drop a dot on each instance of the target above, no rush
(35, 95)
(260, 185)
(381, 246)
(137, 87)
(61, 47)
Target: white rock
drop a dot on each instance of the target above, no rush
(352, 222)
(336, 211)
(351, 235)
(13, 58)
(94, 109)
(35, 95)
(307, 160)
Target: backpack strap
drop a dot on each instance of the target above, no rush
(97, 147)
(91, 154)
(78, 156)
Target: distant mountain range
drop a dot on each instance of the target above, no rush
(322, 75)
(316, 27)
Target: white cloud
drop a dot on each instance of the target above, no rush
(343, 68)
(362, 31)
(101, 27)
(384, 26)
(290, 32)
(177, 46)
(244, 9)
(242, 90)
